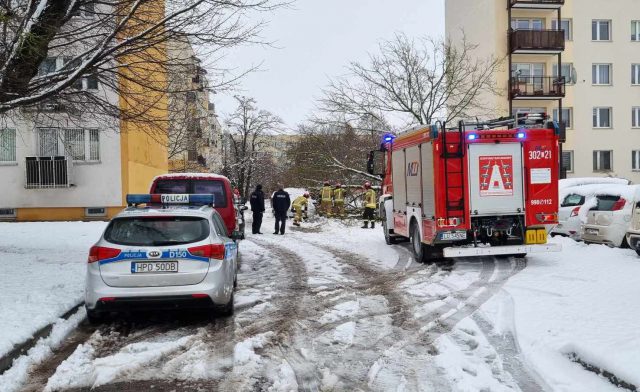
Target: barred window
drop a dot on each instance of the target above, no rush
(7, 145)
(78, 143)
(48, 142)
(74, 143)
(94, 145)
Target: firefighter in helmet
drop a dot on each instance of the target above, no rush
(298, 205)
(338, 200)
(369, 206)
(326, 195)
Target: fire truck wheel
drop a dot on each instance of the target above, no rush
(387, 237)
(420, 251)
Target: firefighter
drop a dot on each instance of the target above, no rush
(326, 194)
(369, 206)
(338, 200)
(298, 205)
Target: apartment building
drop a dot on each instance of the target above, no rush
(68, 163)
(576, 60)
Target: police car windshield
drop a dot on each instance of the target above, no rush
(157, 231)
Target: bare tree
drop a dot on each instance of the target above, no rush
(413, 81)
(117, 44)
(247, 124)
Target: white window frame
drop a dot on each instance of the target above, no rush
(15, 153)
(571, 163)
(570, 119)
(635, 117)
(635, 74)
(596, 117)
(635, 31)
(531, 21)
(82, 83)
(635, 160)
(596, 23)
(598, 161)
(568, 35)
(596, 81)
(90, 156)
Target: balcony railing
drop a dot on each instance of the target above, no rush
(537, 41)
(537, 87)
(48, 172)
(540, 4)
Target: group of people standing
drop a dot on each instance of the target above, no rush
(332, 203)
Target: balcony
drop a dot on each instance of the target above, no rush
(48, 172)
(536, 4)
(537, 41)
(537, 87)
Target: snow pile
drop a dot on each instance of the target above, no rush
(44, 266)
(582, 300)
(12, 379)
(285, 379)
(569, 182)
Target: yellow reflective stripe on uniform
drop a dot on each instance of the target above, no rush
(338, 195)
(326, 193)
(299, 201)
(370, 199)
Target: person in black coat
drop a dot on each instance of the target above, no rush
(257, 206)
(280, 202)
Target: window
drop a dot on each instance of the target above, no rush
(95, 211)
(573, 200)
(567, 71)
(92, 82)
(602, 160)
(601, 74)
(7, 145)
(601, 30)
(567, 116)
(527, 24)
(635, 160)
(635, 117)
(7, 213)
(567, 161)
(635, 74)
(635, 30)
(565, 24)
(517, 111)
(71, 142)
(602, 117)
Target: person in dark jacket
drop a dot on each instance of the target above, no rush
(280, 202)
(257, 207)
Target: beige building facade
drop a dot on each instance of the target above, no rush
(598, 87)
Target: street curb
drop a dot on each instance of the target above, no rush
(20, 349)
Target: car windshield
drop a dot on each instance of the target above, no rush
(573, 200)
(606, 202)
(157, 231)
(171, 186)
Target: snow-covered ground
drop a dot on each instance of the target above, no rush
(330, 306)
(42, 267)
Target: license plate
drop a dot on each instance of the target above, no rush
(145, 267)
(456, 235)
(593, 231)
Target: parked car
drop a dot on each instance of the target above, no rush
(578, 181)
(633, 233)
(219, 186)
(609, 215)
(571, 200)
(154, 257)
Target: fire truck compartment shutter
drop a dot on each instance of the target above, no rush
(413, 171)
(399, 168)
(428, 203)
(495, 179)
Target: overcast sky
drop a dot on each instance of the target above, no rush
(315, 40)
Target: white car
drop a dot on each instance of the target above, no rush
(162, 256)
(572, 199)
(609, 215)
(633, 234)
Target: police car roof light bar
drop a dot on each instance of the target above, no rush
(164, 199)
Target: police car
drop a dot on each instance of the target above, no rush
(162, 252)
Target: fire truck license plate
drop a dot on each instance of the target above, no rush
(455, 235)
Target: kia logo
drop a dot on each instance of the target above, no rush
(154, 254)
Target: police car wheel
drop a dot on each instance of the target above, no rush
(227, 310)
(638, 251)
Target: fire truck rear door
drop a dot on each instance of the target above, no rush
(495, 179)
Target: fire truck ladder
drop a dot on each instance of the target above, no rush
(454, 179)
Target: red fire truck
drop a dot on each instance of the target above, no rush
(483, 188)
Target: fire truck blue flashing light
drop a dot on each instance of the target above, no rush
(521, 135)
(185, 199)
(388, 138)
(472, 137)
